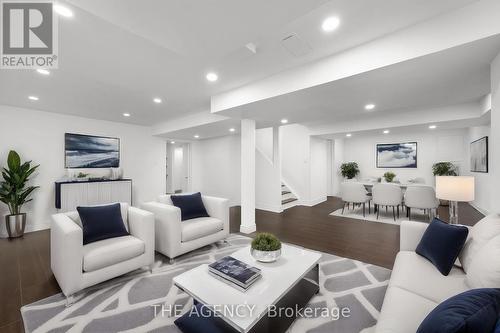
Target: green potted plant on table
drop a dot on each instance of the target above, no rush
(14, 192)
(349, 170)
(389, 176)
(266, 247)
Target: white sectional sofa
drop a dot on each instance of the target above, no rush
(416, 287)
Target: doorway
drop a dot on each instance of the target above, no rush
(178, 167)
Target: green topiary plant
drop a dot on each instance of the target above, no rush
(266, 242)
(445, 169)
(389, 176)
(349, 170)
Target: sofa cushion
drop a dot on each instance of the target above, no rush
(479, 235)
(470, 312)
(200, 227)
(191, 205)
(441, 244)
(484, 269)
(101, 222)
(402, 311)
(111, 251)
(409, 270)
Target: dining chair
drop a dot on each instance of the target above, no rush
(355, 193)
(389, 195)
(421, 197)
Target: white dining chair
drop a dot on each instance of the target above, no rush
(355, 193)
(389, 195)
(421, 197)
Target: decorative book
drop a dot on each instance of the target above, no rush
(234, 271)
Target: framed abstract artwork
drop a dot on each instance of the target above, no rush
(88, 151)
(397, 155)
(479, 155)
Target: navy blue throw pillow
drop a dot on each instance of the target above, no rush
(473, 311)
(497, 327)
(101, 222)
(441, 244)
(199, 320)
(191, 206)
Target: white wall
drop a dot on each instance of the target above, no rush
(432, 146)
(318, 171)
(304, 163)
(215, 167)
(483, 187)
(268, 170)
(494, 141)
(39, 136)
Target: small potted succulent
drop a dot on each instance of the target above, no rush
(389, 176)
(266, 247)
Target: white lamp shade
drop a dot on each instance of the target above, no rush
(455, 188)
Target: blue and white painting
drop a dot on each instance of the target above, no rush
(397, 155)
(86, 151)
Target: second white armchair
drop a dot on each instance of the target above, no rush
(174, 237)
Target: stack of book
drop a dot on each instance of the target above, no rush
(234, 272)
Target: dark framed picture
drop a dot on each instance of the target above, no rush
(479, 155)
(397, 155)
(88, 151)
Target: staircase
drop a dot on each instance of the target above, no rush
(288, 199)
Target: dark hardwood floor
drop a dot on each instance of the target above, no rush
(25, 263)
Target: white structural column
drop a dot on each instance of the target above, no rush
(494, 142)
(247, 176)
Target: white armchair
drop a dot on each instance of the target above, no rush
(77, 266)
(174, 237)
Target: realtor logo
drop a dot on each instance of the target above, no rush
(29, 38)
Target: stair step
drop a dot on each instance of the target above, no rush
(285, 192)
(284, 202)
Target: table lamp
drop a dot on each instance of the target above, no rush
(455, 189)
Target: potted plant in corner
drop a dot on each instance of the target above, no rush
(15, 193)
(266, 247)
(444, 169)
(349, 170)
(389, 176)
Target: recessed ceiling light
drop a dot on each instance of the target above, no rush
(387, 132)
(432, 126)
(63, 11)
(212, 77)
(43, 71)
(284, 121)
(348, 135)
(172, 142)
(369, 106)
(33, 98)
(157, 100)
(126, 114)
(196, 136)
(330, 24)
(232, 130)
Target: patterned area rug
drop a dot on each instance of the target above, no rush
(127, 304)
(384, 217)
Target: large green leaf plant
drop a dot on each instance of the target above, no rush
(14, 191)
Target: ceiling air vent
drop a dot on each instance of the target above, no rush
(295, 46)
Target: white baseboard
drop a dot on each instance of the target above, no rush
(313, 202)
(269, 208)
(248, 229)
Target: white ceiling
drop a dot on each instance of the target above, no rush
(454, 76)
(116, 55)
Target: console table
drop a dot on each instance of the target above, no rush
(70, 194)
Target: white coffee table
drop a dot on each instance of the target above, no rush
(289, 282)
